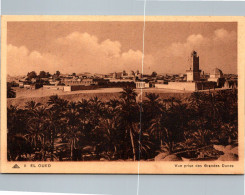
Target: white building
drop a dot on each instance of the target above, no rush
(142, 85)
(215, 75)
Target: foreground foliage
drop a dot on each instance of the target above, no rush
(123, 128)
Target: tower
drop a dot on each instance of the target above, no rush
(194, 73)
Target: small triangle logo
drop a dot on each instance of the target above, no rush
(15, 166)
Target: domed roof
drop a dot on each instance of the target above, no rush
(217, 71)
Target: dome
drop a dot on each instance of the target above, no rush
(217, 71)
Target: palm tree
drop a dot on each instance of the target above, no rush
(34, 133)
(97, 114)
(161, 127)
(170, 102)
(10, 92)
(169, 124)
(16, 120)
(51, 124)
(96, 109)
(17, 144)
(107, 138)
(151, 111)
(151, 108)
(37, 132)
(32, 105)
(112, 128)
(55, 119)
(72, 132)
(57, 104)
(129, 115)
(128, 94)
(83, 109)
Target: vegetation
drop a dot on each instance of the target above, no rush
(10, 92)
(109, 130)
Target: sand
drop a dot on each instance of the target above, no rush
(42, 95)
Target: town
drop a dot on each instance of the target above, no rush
(87, 117)
(193, 80)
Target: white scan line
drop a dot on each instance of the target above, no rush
(141, 92)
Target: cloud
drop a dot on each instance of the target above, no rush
(219, 50)
(20, 61)
(224, 35)
(76, 52)
(83, 52)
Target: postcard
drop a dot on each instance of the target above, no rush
(122, 94)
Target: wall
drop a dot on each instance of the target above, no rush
(140, 84)
(189, 75)
(53, 87)
(187, 86)
(205, 85)
(121, 80)
(67, 88)
(80, 87)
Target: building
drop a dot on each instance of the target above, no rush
(53, 87)
(185, 86)
(117, 75)
(188, 86)
(215, 75)
(96, 75)
(218, 77)
(131, 74)
(230, 84)
(193, 81)
(142, 84)
(21, 84)
(32, 86)
(138, 75)
(79, 87)
(194, 73)
(54, 83)
(84, 82)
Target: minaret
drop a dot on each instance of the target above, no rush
(194, 73)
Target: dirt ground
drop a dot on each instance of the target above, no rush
(42, 92)
(42, 95)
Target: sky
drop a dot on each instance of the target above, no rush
(105, 47)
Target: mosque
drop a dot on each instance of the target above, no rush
(193, 81)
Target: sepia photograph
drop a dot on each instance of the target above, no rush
(159, 93)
